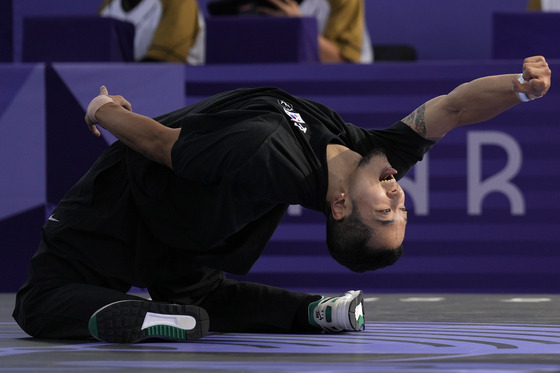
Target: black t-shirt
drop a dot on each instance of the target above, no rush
(241, 159)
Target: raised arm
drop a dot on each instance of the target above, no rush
(138, 132)
(480, 100)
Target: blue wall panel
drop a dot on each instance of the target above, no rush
(45, 146)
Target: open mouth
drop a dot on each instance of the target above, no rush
(387, 176)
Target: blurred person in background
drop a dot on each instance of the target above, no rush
(545, 5)
(165, 30)
(343, 33)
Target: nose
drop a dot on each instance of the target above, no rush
(395, 191)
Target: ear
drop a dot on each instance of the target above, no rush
(339, 207)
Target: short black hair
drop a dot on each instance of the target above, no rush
(348, 243)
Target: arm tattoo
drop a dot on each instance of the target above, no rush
(415, 120)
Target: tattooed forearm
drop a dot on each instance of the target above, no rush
(416, 120)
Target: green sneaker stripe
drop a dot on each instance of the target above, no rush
(92, 326)
(361, 322)
(166, 331)
(311, 313)
(328, 314)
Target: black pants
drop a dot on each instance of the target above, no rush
(61, 295)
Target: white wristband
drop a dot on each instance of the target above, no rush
(95, 104)
(522, 96)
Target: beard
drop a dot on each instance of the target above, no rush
(366, 159)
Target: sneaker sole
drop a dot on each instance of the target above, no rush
(353, 311)
(132, 321)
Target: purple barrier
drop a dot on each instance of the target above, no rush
(438, 29)
(516, 35)
(6, 31)
(261, 40)
(32, 8)
(77, 39)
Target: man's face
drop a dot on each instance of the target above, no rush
(380, 200)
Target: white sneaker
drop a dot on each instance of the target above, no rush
(339, 314)
(131, 321)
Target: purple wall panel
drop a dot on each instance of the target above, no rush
(22, 168)
(22, 131)
(45, 145)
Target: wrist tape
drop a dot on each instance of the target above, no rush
(522, 96)
(95, 104)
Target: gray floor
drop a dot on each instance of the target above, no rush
(405, 333)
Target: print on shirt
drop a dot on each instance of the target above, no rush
(295, 117)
